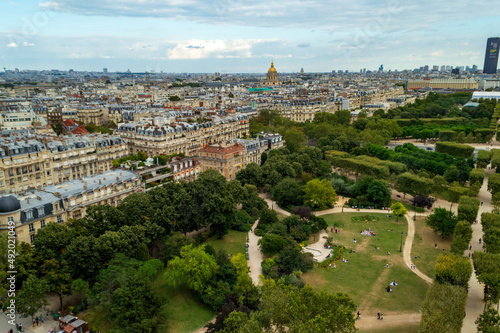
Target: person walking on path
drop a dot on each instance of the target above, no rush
(359, 316)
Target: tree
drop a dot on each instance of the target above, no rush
(488, 322)
(288, 193)
(80, 288)
(291, 259)
(442, 221)
(240, 322)
(174, 98)
(378, 193)
(271, 244)
(58, 128)
(58, 278)
(215, 203)
(286, 308)
(194, 268)
(343, 117)
(135, 307)
(31, 297)
(451, 174)
(319, 194)
(252, 174)
(398, 209)
(52, 240)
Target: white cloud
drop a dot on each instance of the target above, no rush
(12, 44)
(200, 49)
(26, 44)
(437, 53)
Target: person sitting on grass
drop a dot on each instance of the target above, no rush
(387, 265)
(388, 253)
(394, 283)
(388, 289)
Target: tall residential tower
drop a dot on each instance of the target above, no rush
(491, 56)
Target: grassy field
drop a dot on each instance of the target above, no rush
(184, 314)
(365, 276)
(424, 247)
(97, 318)
(234, 242)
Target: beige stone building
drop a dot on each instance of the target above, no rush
(33, 210)
(227, 158)
(181, 137)
(34, 162)
(459, 84)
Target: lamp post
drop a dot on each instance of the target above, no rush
(401, 246)
(415, 216)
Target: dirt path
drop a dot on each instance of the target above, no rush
(370, 321)
(255, 256)
(475, 304)
(407, 249)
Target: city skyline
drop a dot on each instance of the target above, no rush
(230, 36)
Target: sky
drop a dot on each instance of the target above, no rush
(243, 36)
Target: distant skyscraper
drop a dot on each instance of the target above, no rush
(105, 70)
(491, 56)
(381, 68)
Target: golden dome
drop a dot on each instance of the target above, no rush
(272, 69)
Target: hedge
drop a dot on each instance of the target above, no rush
(495, 158)
(476, 176)
(443, 309)
(491, 230)
(454, 270)
(468, 208)
(483, 158)
(454, 149)
(494, 183)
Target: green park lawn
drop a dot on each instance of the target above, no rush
(424, 247)
(233, 243)
(184, 314)
(365, 276)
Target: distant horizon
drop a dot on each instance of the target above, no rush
(231, 36)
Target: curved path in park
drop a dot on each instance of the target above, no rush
(475, 296)
(407, 249)
(254, 255)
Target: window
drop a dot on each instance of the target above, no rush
(10, 219)
(42, 224)
(32, 227)
(29, 215)
(32, 238)
(60, 219)
(41, 212)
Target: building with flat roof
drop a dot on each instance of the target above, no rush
(486, 95)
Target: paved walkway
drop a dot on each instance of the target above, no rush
(319, 246)
(475, 296)
(255, 256)
(410, 235)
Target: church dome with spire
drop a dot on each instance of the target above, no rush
(272, 75)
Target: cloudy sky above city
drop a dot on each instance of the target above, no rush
(243, 36)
